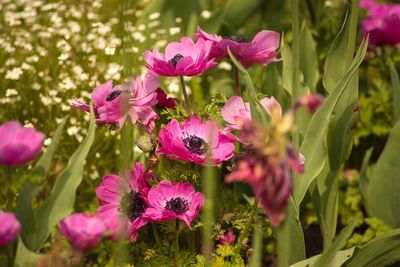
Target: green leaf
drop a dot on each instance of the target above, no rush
(340, 257)
(24, 257)
(313, 147)
(61, 201)
(24, 210)
(287, 70)
(382, 191)
(394, 77)
(308, 58)
(236, 12)
(364, 176)
(381, 251)
(326, 259)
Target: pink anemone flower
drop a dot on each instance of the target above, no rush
(83, 230)
(122, 202)
(236, 112)
(10, 228)
(227, 238)
(195, 141)
(183, 58)
(170, 201)
(18, 144)
(133, 98)
(261, 50)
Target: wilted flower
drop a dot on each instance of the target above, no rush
(227, 238)
(10, 227)
(183, 58)
(261, 50)
(19, 145)
(123, 201)
(83, 230)
(382, 23)
(133, 98)
(169, 201)
(195, 141)
(164, 101)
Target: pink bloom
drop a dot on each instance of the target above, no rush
(164, 101)
(183, 58)
(19, 145)
(122, 202)
(83, 230)
(235, 112)
(261, 50)
(9, 229)
(194, 140)
(311, 102)
(133, 98)
(170, 201)
(227, 238)
(382, 23)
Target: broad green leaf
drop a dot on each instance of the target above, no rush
(236, 12)
(24, 210)
(383, 187)
(382, 251)
(326, 259)
(258, 112)
(313, 147)
(394, 77)
(290, 237)
(24, 257)
(287, 69)
(340, 257)
(61, 201)
(308, 58)
(363, 184)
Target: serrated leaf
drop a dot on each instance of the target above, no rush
(313, 147)
(61, 201)
(381, 251)
(382, 191)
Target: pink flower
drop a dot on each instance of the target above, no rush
(382, 23)
(170, 201)
(123, 202)
(83, 230)
(133, 98)
(19, 145)
(9, 229)
(236, 112)
(261, 50)
(311, 102)
(183, 58)
(194, 140)
(164, 101)
(227, 238)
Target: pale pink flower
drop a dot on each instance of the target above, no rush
(183, 58)
(169, 201)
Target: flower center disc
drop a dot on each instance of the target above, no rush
(177, 205)
(195, 145)
(173, 61)
(133, 205)
(113, 95)
(236, 39)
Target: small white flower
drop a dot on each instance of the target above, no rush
(205, 14)
(174, 30)
(224, 66)
(154, 16)
(14, 74)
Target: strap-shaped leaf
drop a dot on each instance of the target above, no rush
(62, 198)
(394, 77)
(340, 257)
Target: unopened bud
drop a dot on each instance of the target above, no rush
(311, 102)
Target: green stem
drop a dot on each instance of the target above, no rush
(188, 104)
(246, 230)
(176, 243)
(156, 235)
(237, 80)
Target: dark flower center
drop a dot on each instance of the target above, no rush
(178, 205)
(175, 59)
(195, 145)
(133, 205)
(113, 95)
(236, 39)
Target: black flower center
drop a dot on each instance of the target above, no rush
(175, 59)
(236, 39)
(113, 95)
(178, 205)
(133, 205)
(195, 145)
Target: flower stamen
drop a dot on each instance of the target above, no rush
(178, 205)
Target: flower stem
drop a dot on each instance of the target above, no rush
(246, 230)
(237, 80)
(188, 104)
(176, 243)
(156, 235)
